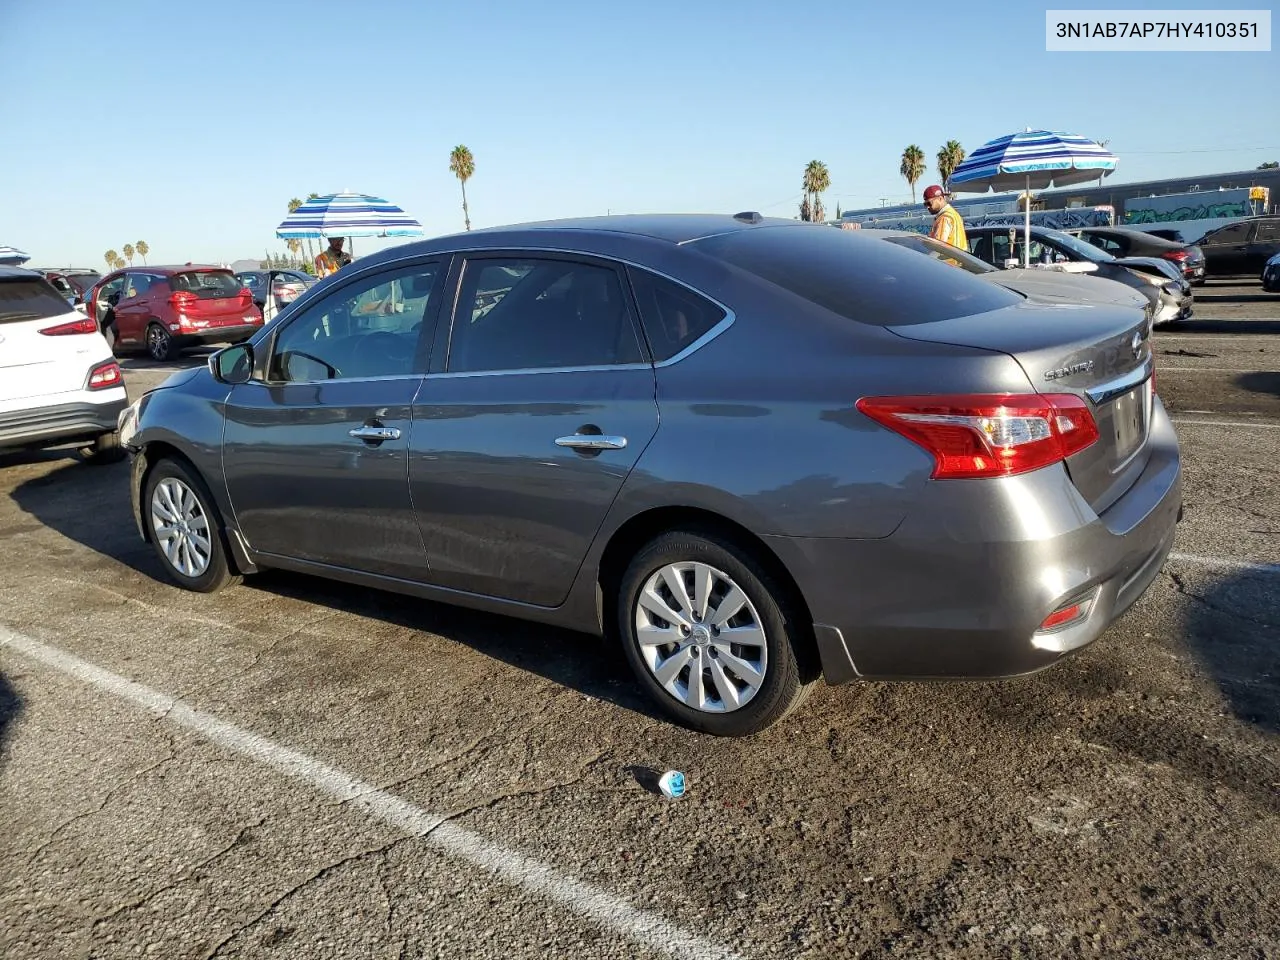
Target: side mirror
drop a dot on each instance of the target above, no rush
(233, 364)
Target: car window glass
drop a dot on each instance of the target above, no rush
(1236, 233)
(535, 314)
(108, 290)
(135, 285)
(368, 328)
(674, 316)
(62, 286)
(1268, 230)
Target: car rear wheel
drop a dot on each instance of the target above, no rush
(160, 344)
(105, 449)
(184, 527)
(710, 635)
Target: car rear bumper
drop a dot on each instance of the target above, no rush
(961, 589)
(191, 337)
(60, 423)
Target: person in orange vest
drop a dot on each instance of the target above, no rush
(332, 260)
(947, 224)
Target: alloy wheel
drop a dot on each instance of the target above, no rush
(181, 527)
(701, 637)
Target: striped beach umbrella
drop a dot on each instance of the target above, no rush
(348, 215)
(12, 256)
(1032, 160)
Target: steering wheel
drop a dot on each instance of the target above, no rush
(381, 347)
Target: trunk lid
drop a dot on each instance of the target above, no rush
(211, 297)
(35, 364)
(1099, 353)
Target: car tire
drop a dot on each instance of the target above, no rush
(160, 345)
(204, 565)
(105, 449)
(778, 638)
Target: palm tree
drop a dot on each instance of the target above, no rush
(127, 249)
(119, 264)
(463, 165)
(912, 167)
(817, 179)
(949, 157)
(143, 250)
(294, 204)
(111, 257)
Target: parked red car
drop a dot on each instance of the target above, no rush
(163, 309)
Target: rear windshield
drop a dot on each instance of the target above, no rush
(29, 299)
(944, 252)
(206, 284)
(861, 278)
(83, 281)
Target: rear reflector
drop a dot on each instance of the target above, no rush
(105, 376)
(985, 435)
(83, 325)
(1064, 616)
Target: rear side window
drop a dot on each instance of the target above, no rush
(205, 284)
(29, 299)
(674, 317)
(861, 278)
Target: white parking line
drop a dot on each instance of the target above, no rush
(531, 875)
(1226, 423)
(1225, 563)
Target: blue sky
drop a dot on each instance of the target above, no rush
(191, 125)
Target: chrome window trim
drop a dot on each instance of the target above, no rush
(702, 341)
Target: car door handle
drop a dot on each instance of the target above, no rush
(591, 441)
(375, 433)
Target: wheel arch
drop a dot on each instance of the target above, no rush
(632, 535)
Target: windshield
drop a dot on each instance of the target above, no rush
(1086, 251)
(944, 252)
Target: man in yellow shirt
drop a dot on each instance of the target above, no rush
(332, 260)
(947, 223)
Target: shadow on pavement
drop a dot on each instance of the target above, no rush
(1233, 627)
(10, 707)
(1212, 325)
(1207, 297)
(90, 505)
(1260, 382)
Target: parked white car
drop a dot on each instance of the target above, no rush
(59, 383)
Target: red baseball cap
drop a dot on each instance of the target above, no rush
(933, 191)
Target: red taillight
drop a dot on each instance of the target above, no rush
(987, 435)
(1178, 255)
(106, 375)
(83, 325)
(182, 300)
(1063, 616)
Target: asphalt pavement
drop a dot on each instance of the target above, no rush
(298, 768)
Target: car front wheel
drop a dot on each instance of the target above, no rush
(184, 527)
(710, 635)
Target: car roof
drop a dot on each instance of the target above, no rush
(649, 228)
(19, 273)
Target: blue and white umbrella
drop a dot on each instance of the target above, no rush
(12, 256)
(1032, 160)
(348, 215)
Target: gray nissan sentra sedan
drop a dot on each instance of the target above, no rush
(757, 452)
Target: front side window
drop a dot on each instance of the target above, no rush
(521, 314)
(368, 328)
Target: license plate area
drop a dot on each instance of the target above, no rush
(1130, 417)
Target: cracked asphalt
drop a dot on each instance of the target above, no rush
(1125, 803)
